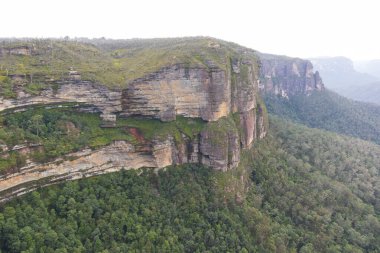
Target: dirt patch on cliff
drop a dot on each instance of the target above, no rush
(136, 134)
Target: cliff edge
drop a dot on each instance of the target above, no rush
(285, 76)
(211, 81)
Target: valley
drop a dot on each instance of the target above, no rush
(180, 145)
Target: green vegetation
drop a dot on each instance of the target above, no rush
(52, 59)
(327, 110)
(298, 190)
(154, 128)
(51, 133)
(219, 130)
(6, 88)
(113, 63)
(309, 191)
(34, 88)
(174, 211)
(348, 160)
(323, 184)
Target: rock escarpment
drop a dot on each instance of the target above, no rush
(119, 155)
(100, 97)
(285, 76)
(206, 93)
(16, 50)
(225, 96)
(179, 90)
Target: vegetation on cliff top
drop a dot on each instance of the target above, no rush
(111, 62)
(302, 198)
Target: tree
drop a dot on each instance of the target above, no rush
(36, 124)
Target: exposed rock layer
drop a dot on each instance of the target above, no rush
(177, 90)
(219, 149)
(207, 93)
(104, 99)
(210, 93)
(85, 163)
(285, 76)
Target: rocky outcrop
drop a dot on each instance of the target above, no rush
(220, 150)
(17, 50)
(179, 90)
(117, 156)
(244, 78)
(285, 76)
(102, 98)
(208, 93)
(225, 97)
(219, 146)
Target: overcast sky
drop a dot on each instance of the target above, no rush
(302, 28)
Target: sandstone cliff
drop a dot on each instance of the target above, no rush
(119, 155)
(285, 76)
(222, 92)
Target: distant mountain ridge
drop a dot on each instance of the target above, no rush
(292, 89)
(72, 109)
(371, 67)
(341, 76)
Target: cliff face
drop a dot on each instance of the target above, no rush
(17, 50)
(224, 97)
(177, 90)
(119, 155)
(287, 76)
(102, 98)
(209, 94)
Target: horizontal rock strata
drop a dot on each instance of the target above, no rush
(227, 97)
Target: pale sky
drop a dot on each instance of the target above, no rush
(299, 28)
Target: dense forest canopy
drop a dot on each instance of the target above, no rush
(301, 189)
(310, 191)
(327, 110)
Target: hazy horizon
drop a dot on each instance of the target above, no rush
(305, 29)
